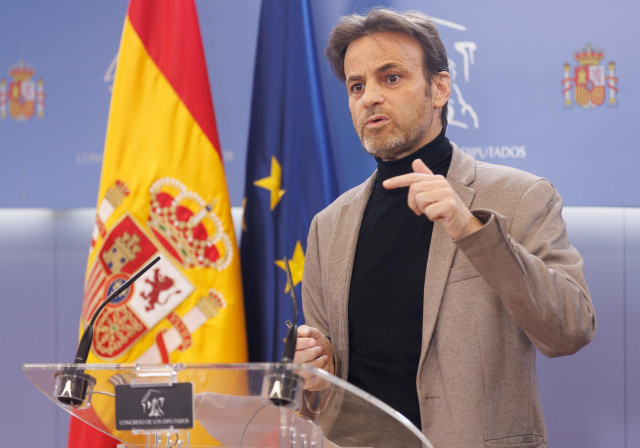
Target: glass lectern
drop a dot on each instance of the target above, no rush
(224, 405)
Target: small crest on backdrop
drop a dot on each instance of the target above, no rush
(22, 97)
(591, 82)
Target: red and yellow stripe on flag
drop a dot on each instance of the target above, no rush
(163, 191)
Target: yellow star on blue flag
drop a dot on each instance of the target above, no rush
(273, 183)
(296, 264)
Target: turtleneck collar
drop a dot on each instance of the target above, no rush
(436, 155)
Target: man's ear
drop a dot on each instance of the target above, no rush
(440, 89)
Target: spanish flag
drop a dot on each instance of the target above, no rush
(162, 192)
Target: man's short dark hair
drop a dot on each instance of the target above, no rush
(379, 20)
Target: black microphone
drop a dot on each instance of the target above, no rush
(292, 335)
(73, 386)
(282, 386)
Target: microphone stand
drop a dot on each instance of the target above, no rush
(73, 386)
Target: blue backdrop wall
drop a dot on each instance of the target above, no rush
(508, 67)
(519, 92)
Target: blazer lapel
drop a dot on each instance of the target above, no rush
(338, 275)
(461, 174)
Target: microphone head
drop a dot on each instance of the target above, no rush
(73, 388)
(84, 346)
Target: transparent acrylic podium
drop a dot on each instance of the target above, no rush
(234, 406)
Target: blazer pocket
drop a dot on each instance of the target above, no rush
(462, 272)
(522, 441)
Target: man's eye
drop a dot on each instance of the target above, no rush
(393, 78)
(357, 88)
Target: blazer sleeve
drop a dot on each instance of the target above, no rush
(536, 272)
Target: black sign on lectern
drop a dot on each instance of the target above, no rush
(154, 406)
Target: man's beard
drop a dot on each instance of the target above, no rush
(396, 144)
(393, 146)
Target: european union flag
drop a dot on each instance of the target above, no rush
(289, 175)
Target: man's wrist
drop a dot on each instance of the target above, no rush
(473, 226)
(477, 221)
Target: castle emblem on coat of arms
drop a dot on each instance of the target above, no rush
(24, 96)
(591, 81)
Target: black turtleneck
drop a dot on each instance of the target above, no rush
(387, 286)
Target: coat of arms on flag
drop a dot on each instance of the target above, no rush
(24, 97)
(191, 233)
(589, 79)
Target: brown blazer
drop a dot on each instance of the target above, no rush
(490, 299)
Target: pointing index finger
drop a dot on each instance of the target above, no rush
(420, 171)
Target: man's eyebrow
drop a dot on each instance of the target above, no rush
(386, 67)
(379, 70)
(353, 78)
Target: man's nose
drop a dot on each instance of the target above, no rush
(373, 95)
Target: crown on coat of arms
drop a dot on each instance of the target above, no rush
(188, 227)
(21, 72)
(588, 56)
(116, 193)
(211, 304)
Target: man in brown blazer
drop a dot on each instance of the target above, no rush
(432, 284)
